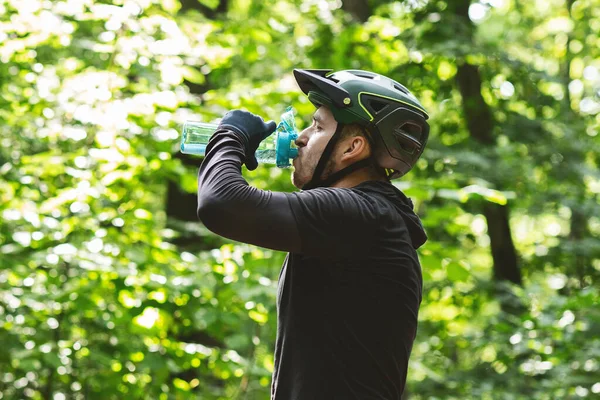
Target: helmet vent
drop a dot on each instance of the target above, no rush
(367, 76)
(408, 136)
(401, 88)
(376, 105)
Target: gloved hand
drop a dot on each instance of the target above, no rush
(251, 128)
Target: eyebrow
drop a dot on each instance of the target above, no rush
(317, 118)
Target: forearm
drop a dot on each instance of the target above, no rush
(230, 207)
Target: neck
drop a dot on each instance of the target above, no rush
(357, 177)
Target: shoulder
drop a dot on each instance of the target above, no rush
(380, 195)
(345, 201)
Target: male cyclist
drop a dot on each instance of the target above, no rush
(350, 288)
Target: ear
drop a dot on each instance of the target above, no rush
(354, 148)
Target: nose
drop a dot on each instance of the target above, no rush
(302, 139)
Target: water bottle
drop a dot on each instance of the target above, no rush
(276, 150)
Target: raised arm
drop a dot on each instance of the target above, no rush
(230, 207)
(320, 222)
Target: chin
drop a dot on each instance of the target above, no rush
(298, 180)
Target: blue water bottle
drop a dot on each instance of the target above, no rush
(276, 150)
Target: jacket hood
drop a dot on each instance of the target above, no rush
(405, 206)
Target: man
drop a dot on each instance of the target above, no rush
(350, 289)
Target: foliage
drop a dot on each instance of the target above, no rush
(105, 294)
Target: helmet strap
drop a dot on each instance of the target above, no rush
(316, 180)
(336, 176)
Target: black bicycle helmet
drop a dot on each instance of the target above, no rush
(395, 119)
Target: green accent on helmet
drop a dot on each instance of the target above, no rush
(418, 107)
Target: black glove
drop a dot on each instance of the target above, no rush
(251, 128)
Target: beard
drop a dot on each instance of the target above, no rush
(304, 171)
(302, 174)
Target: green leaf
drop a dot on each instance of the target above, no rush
(193, 75)
(457, 272)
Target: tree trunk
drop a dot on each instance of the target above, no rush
(478, 117)
(182, 205)
(503, 250)
(579, 220)
(359, 9)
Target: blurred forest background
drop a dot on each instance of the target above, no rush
(111, 289)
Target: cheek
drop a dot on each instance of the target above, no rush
(311, 155)
(316, 145)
